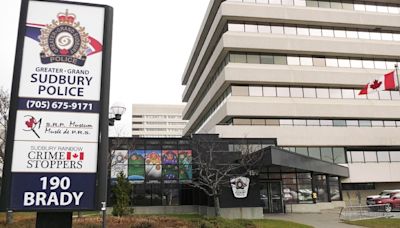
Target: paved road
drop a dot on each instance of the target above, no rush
(326, 219)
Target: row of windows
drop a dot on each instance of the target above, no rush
(341, 62)
(158, 136)
(221, 100)
(307, 92)
(315, 122)
(210, 83)
(313, 31)
(162, 116)
(161, 123)
(157, 129)
(372, 156)
(329, 154)
(334, 4)
(305, 61)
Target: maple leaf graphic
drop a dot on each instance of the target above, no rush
(376, 84)
(31, 122)
(75, 155)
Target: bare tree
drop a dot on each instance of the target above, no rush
(214, 166)
(4, 109)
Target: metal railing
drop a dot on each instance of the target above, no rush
(352, 213)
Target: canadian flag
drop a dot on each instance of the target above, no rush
(386, 82)
(75, 156)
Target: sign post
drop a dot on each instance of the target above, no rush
(57, 139)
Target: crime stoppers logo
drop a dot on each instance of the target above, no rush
(64, 40)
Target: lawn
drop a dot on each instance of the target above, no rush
(377, 223)
(25, 220)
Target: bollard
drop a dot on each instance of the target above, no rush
(9, 217)
(104, 210)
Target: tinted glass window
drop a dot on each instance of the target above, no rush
(266, 59)
(338, 155)
(314, 152)
(326, 154)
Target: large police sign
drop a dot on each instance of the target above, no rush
(60, 92)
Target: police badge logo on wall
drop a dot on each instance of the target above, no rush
(240, 186)
(64, 40)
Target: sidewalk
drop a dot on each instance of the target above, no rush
(326, 219)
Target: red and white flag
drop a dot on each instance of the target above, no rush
(75, 156)
(386, 82)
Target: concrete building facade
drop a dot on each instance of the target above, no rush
(156, 120)
(291, 70)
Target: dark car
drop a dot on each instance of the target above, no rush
(391, 203)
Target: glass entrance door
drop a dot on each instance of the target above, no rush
(271, 197)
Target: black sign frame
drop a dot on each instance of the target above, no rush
(102, 163)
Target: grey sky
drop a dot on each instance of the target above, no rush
(152, 41)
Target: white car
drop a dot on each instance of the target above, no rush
(383, 195)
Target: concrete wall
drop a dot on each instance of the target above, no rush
(239, 212)
(231, 213)
(313, 208)
(183, 209)
(235, 213)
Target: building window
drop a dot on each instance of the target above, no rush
(235, 27)
(338, 155)
(237, 58)
(309, 93)
(370, 156)
(280, 60)
(253, 58)
(314, 152)
(321, 187)
(326, 154)
(269, 91)
(395, 156)
(383, 156)
(266, 59)
(240, 91)
(304, 187)
(282, 92)
(255, 91)
(334, 189)
(302, 151)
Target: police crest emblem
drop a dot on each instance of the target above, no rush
(64, 40)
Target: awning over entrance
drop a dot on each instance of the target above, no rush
(283, 159)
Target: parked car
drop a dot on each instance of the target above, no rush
(383, 195)
(393, 202)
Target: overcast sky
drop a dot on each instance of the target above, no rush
(152, 41)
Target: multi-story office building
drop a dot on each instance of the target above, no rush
(291, 70)
(149, 120)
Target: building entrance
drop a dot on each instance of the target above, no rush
(271, 197)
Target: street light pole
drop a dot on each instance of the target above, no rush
(115, 113)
